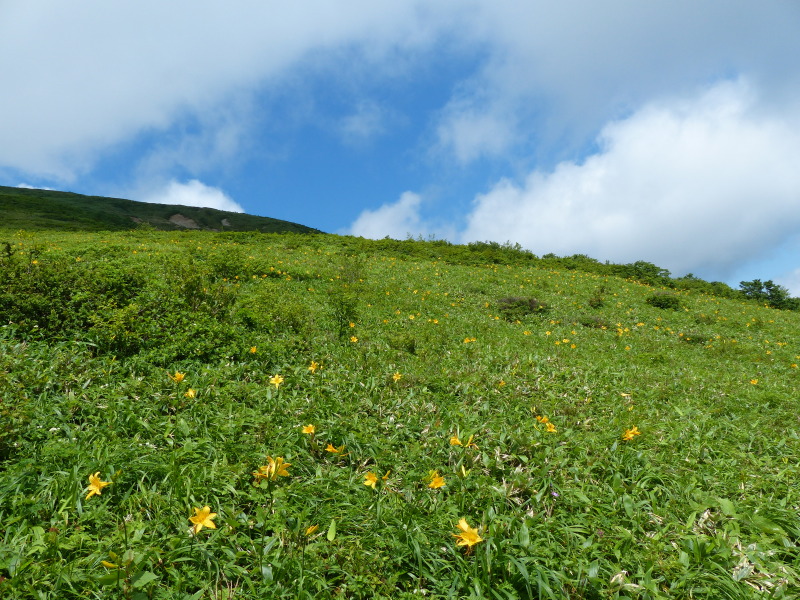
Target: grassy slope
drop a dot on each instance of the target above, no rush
(703, 504)
(64, 211)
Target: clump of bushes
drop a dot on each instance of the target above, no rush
(594, 322)
(664, 300)
(597, 300)
(515, 308)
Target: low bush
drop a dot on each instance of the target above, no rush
(664, 300)
(515, 308)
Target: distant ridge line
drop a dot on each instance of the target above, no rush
(37, 209)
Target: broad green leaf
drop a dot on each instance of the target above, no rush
(727, 507)
(142, 578)
(332, 531)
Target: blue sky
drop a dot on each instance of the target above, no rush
(660, 131)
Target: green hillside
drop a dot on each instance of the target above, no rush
(458, 422)
(37, 210)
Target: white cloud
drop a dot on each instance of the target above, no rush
(699, 184)
(27, 186)
(397, 220)
(367, 121)
(471, 134)
(102, 73)
(555, 72)
(193, 193)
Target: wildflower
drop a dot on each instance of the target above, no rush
(436, 480)
(454, 441)
(313, 367)
(333, 449)
(631, 433)
(311, 530)
(190, 393)
(396, 377)
(253, 349)
(754, 381)
(370, 479)
(352, 324)
(309, 429)
(468, 536)
(95, 485)
(386, 475)
(203, 518)
(275, 468)
(178, 377)
(542, 419)
(551, 428)
(354, 339)
(276, 380)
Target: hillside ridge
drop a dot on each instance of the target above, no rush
(44, 210)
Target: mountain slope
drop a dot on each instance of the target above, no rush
(34, 209)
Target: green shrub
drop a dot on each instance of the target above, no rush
(664, 300)
(345, 296)
(594, 322)
(515, 308)
(597, 300)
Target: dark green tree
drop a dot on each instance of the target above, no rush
(770, 293)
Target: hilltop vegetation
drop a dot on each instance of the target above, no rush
(458, 422)
(46, 210)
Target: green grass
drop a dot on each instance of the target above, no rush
(703, 504)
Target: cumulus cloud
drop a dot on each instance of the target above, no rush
(397, 220)
(193, 193)
(554, 73)
(698, 184)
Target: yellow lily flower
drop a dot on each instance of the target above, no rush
(436, 480)
(203, 518)
(275, 468)
(468, 536)
(95, 485)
